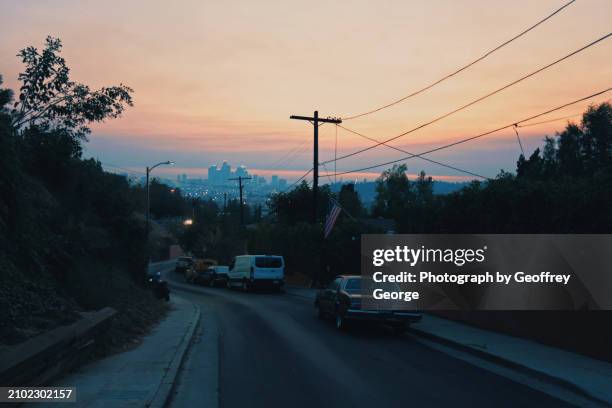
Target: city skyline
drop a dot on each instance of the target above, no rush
(197, 101)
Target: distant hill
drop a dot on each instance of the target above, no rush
(367, 189)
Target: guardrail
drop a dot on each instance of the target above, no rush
(43, 358)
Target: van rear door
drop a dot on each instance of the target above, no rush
(268, 267)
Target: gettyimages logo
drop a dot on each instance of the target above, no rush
(411, 256)
(487, 272)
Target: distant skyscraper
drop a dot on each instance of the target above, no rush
(274, 181)
(224, 173)
(212, 174)
(241, 171)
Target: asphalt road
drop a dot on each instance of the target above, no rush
(273, 351)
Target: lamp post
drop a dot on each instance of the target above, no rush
(149, 170)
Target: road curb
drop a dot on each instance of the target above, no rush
(506, 363)
(164, 391)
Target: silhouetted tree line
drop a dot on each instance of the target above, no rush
(562, 188)
(288, 231)
(66, 226)
(216, 231)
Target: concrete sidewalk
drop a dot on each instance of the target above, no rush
(576, 372)
(142, 377)
(579, 373)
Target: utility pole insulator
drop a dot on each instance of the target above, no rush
(316, 121)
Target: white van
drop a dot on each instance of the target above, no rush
(249, 271)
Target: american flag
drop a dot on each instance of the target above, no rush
(331, 218)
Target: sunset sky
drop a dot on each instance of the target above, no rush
(218, 80)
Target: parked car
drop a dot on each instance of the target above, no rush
(342, 301)
(218, 274)
(212, 276)
(251, 271)
(198, 270)
(182, 264)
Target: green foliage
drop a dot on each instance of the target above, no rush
(562, 188)
(559, 189)
(349, 200)
(166, 201)
(216, 232)
(410, 204)
(296, 205)
(59, 212)
(48, 99)
(290, 232)
(300, 243)
(580, 151)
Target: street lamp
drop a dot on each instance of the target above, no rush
(149, 170)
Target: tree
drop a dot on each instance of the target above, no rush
(393, 192)
(296, 205)
(50, 100)
(569, 150)
(423, 187)
(532, 167)
(597, 137)
(349, 200)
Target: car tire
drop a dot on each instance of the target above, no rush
(320, 313)
(245, 286)
(228, 284)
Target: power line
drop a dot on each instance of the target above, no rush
(488, 53)
(298, 180)
(474, 137)
(476, 100)
(556, 119)
(550, 120)
(122, 168)
(329, 177)
(423, 158)
(299, 148)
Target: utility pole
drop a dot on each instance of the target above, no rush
(240, 178)
(148, 212)
(316, 122)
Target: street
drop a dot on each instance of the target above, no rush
(272, 348)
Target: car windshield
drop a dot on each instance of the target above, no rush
(268, 262)
(353, 285)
